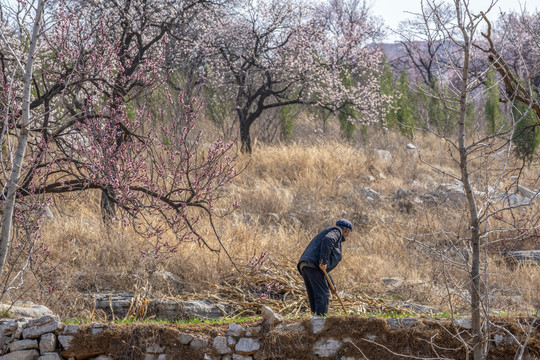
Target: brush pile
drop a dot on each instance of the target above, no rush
(280, 286)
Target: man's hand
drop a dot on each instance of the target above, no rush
(332, 287)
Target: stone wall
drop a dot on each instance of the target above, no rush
(344, 337)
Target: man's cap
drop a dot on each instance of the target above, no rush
(344, 223)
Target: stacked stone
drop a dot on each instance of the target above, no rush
(26, 339)
(46, 338)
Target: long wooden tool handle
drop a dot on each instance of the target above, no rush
(332, 285)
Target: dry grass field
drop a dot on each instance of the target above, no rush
(287, 193)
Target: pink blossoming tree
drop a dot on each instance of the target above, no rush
(67, 126)
(267, 54)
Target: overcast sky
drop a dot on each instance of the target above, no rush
(394, 11)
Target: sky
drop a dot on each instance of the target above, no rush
(394, 11)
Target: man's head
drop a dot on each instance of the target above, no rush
(345, 225)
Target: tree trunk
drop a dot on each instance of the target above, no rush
(245, 137)
(108, 208)
(12, 184)
(246, 119)
(478, 341)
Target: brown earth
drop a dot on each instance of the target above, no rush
(363, 337)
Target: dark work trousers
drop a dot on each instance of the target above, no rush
(317, 289)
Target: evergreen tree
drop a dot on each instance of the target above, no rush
(526, 138)
(346, 125)
(404, 114)
(287, 114)
(492, 111)
(388, 88)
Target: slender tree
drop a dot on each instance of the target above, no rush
(17, 161)
(490, 215)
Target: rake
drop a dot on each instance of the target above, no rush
(335, 292)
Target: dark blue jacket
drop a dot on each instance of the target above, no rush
(326, 246)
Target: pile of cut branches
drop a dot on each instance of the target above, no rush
(280, 287)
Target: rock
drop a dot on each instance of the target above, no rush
(185, 339)
(428, 199)
(317, 323)
(47, 214)
(21, 355)
(501, 155)
(172, 310)
(198, 343)
(369, 193)
(463, 323)
(522, 257)
(384, 155)
(231, 341)
(202, 309)
(453, 193)
(35, 328)
(241, 357)
(253, 331)
(247, 346)
(47, 343)
(393, 323)
(409, 321)
(65, 341)
(500, 339)
(235, 330)
(34, 311)
(155, 349)
(270, 317)
(4, 340)
(18, 334)
(103, 357)
(70, 329)
(119, 303)
(55, 356)
(400, 194)
(221, 346)
(168, 279)
(516, 199)
(420, 309)
(411, 146)
(8, 327)
(326, 347)
(398, 323)
(526, 192)
(27, 344)
(98, 328)
(392, 282)
(291, 327)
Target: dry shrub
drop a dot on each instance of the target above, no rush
(287, 194)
